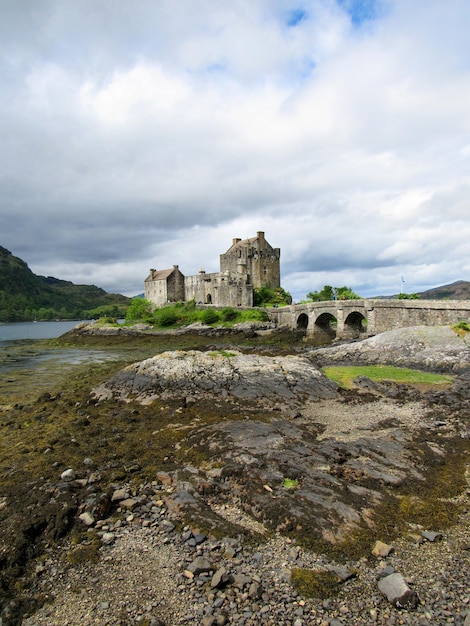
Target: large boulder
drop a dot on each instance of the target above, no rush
(437, 348)
(222, 374)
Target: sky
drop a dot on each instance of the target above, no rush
(144, 134)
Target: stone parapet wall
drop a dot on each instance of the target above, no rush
(369, 317)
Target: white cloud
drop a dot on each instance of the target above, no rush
(148, 134)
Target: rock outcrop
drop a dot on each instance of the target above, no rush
(427, 347)
(268, 380)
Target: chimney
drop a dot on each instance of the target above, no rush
(260, 235)
(235, 240)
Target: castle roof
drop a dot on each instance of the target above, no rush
(160, 274)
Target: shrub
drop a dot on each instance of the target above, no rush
(229, 314)
(167, 317)
(209, 316)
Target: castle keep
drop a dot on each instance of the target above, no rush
(247, 265)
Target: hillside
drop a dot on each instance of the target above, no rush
(460, 290)
(25, 296)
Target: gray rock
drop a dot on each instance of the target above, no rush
(200, 565)
(430, 535)
(430, 347)
(241, 376)
(108, 538)
(220, 578)
(119, 494)
(397, 592)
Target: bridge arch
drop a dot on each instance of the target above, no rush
(355, 325)
(326, 324)
(302, 321)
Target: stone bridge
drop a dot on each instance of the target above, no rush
(349, 319)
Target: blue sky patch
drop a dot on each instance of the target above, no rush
(295, 16)
(361, 11)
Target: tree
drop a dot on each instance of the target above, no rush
(266, 296)
(139, 309)
(333, 293)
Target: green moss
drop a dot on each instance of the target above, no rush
(319, 584)
(85, 553)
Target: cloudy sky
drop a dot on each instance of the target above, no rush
(150, 133)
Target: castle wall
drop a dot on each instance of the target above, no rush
(219, 289)
(175, 286)
(155, 291)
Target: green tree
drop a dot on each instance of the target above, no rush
(333, 293)
(139, 309)
(267, 296)
(408, 296)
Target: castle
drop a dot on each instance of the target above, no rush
(247, 265)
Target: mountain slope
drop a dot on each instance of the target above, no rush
(460, 290)
(26, 296)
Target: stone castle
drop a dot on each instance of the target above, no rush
(247, 265)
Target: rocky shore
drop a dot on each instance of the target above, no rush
(227, 486)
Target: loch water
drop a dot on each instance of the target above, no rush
(34, 330)
(31, 363)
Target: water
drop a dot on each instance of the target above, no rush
(29, 363)
(35, 330)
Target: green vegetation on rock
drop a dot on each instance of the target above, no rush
(462, 327)
(344, 376)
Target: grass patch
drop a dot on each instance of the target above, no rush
(344, 376)
(290, 483)
(222, 353)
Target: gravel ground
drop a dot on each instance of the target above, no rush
(147, 569)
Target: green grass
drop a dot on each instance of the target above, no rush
(344, 376)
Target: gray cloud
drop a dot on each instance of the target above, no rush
(146, 134)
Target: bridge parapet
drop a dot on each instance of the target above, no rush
(363, 318)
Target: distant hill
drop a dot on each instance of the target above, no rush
(460, 290)
(25, 296)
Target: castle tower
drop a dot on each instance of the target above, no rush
(256, 259)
